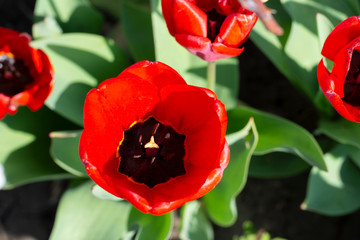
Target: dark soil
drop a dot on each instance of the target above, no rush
(273, 205)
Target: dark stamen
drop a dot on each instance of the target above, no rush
(152, 153)
(14, 75)
(352, 81)
(214, 20)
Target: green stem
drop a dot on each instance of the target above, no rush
(211, 75)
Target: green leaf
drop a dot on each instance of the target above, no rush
(81, 61)
(341, 130)
(276, 165)
(149, 227)
(220, 202)
(98, 192)
(138, 31)
(72, 15)
(355, 6)
(48, 27)
(24, 146)
(82, 216)
(194, 224)
(190, 67)
(112, 7)
(298, 56)
(278, 134)
(354, 154)
(324, 28)
(337, 191)
(65, 151)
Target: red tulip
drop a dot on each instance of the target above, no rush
(210, 29)
(342, 86)
(152, 139)
(26, 74)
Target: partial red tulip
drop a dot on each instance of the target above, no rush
(210, 29)
(342, 86)
(26, 74)
(152, 139)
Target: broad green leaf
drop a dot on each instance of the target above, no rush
(190, 67)
(324, 28)
(354, 5)
(220, 202)
(297, 57)
(48, 27)
(72, 15)
(149, 227)
(341, 130)
(24, 146)
(81, 61)
(278, 134)
(276, 165)
(113, 7)
(82, 216)
(65, 151)
(98, 192)
(337, 191)
(323, 105)
(138, 31)
(354, 154)
(194, 224)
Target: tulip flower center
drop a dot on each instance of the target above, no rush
(14, 75)
(352, 81)
(214, 22)
(151, 153)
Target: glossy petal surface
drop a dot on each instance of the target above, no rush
(343, 34)
(341, 85)
(211, 30)
(147, 90)
(25, 63)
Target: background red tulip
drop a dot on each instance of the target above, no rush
(26, 74)
(152, 139)
(209, 29)
(342, 86)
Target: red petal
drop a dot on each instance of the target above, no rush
(342, 35)
(186, 185)
(190, 111)
(206, 5)
(7, 32)
(22, 98)
(342, 65)
(325, 82)
(19, 46)
(113, 181)
(235, 29)
(155, 72)
(328, 86)
(184, 17)
(203, 48)
(228, 7)
(44, 80)
(3, 105)
(111, 109)
(225, 51)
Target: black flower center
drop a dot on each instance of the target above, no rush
(14, 75)
(352, 81)
(214, 22)
(152, 153)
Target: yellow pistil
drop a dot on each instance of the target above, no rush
(151, 143)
